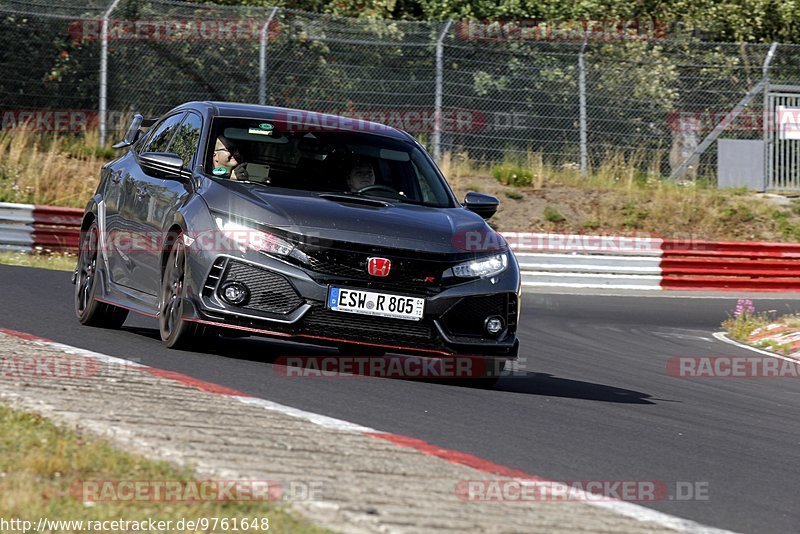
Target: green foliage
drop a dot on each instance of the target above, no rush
(513, 195)
(740, 327)
(731, 21)
(553, 215)
(634, 216)
(737, 213)
(514, 175)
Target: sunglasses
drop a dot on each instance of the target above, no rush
(234, 152)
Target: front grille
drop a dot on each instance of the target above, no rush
(326, 262)
(327, 323)
(270, 292)
(467, 316)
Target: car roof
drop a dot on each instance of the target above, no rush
(300, 118)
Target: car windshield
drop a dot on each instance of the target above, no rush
(329, 161)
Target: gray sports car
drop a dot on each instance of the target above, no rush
(293, 224)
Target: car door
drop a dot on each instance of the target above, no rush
(163, 197)
(142, 211)
(115, 215)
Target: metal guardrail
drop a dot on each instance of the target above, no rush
(28, 227)
(546, 260)
(587, 261)
(731, 266)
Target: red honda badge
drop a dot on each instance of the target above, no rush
(379, 266)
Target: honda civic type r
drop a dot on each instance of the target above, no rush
(298, 225)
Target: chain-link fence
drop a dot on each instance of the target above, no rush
(635, 96)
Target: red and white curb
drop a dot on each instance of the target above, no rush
(631, 510)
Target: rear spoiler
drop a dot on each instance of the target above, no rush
(134, 130)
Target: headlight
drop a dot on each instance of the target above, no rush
(249, 238)
(483, 267)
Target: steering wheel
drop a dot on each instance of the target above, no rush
(378, 187)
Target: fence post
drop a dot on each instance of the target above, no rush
(103, 104)
(262, 59)
(767, 118)
(436, 142)
(582, 105)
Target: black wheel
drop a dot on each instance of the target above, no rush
(88, 309)
(176, 333)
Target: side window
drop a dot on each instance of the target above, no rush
(159, 141)
(186, 138)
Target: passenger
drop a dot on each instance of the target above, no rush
(227, 160)
(361, 175)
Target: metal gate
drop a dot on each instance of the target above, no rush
(782, 138)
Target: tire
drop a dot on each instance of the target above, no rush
(88, 309)
(177, 333)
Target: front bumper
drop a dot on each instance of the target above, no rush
(287, 301)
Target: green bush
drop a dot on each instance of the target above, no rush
(508, 174)
(553, 215)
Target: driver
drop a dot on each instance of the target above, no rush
(361, 175)
(227, 160)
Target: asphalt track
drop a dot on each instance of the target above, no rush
(597, 402)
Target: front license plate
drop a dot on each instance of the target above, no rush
(381, 304)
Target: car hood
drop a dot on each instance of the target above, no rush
(398, 225)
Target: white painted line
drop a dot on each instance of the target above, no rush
(640, 513)
(318, 419)
(593, 286)
(631, 510)
(722, 336)
(69, 349)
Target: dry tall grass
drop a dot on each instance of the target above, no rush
(41, 168)
(624, 193)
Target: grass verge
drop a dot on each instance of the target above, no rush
(620, 197)
(54, 261)
(747, 326)
(623, 194)
(40, 463)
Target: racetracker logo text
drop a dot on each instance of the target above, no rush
(537, 490)
(732, 367)
(561, 30)
(395, 366)
(175, 29)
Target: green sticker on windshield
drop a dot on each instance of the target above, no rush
(266, 126)
(219, 171)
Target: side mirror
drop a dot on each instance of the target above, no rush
(483, 205)
(132, 134)
(163, 165)
(134, 131)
